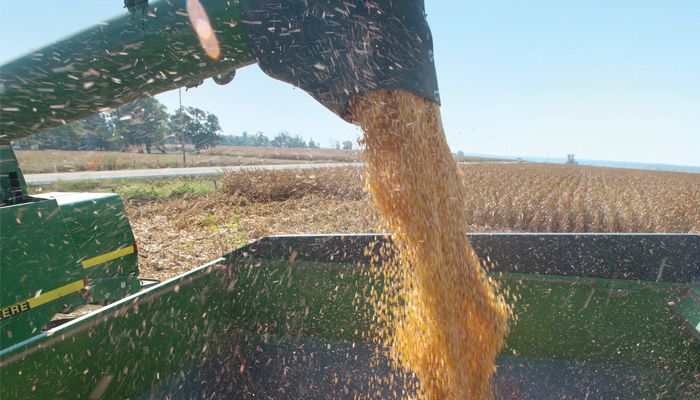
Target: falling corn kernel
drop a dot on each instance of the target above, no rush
(440, 315)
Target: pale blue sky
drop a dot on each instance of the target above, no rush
(605, 79)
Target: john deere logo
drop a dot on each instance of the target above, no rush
(17, 308)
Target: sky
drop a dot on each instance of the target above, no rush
(604, 79)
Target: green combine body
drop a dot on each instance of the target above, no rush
(58, 251)
(598, 316)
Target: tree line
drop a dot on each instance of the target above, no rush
(146, 123)
(282, 139)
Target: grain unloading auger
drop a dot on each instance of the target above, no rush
(600, 316)
(61, 250)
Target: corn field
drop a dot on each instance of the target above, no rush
(556, 198)
(521, 197)
(182, 232)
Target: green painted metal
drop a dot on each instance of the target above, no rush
(689, 308)
(133, 344)
(157, 341)
(44, 242)
(99, 225)
(13, 188)
(37, 255)
(114, 63)
(600, 320)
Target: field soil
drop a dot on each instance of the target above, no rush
(178, 233)
(42, 161)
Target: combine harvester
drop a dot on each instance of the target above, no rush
(600, 316)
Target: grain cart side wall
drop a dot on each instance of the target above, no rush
(689, 309)
(258, 322)
(124, 349)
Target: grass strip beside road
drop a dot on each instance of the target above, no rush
(134, 189)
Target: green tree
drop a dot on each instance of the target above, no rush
(312, 144)
(209, 137)
(65, 137)
(142, 122)
(284, 139)
(244, 139)
(347, 145)
(201, 128)
(259, 140)
(99, 134)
